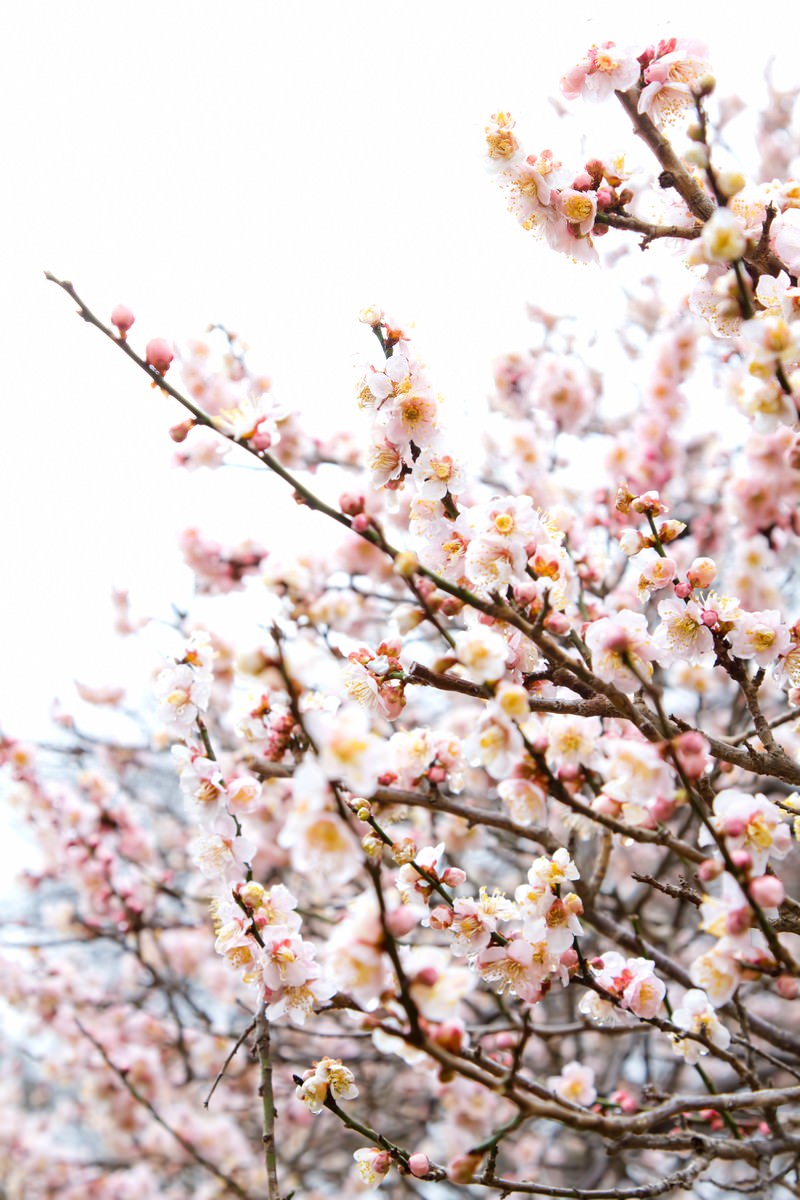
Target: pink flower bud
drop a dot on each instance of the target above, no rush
(624, 1100)
(351, 503)
(734, 827)
(453, 876)
(427, 977)
(768, 891)
(361, 523)
(419, 1165)
(682, 591)
(158, 355)
(741, 859)
(261, 439)
(709, 870)
(180, 432)
(710, 618)
(437, 774)
(123, 318)
(401, 921)
(449, 1036)
(557, 622)
(786, 986)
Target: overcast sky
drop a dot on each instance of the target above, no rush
(274, 166)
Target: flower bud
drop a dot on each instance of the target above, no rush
(767, 890)
(419, 1165)
(351, 504)
(786, 986)
(158, 355)
(181, 431)
(709, 870)
(123, 318)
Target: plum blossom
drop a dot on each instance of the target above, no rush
(751, 823)
(676, 66)
(373, 1164)
(697, 1015)
(761, 636)
(483, 652)
(622, 650)
(525, 800)
(604, 69)
(575, 1084)
(683, 635)
(717, 973)
(327, 1075)
(475, 921)
(348, 750)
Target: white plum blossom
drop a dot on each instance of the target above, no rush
(348, 749)
(717, 973)
(697, 1015)
(328, 1075)
(483, 651)
(622, 650)
(682, 635)
(752, 823)
(575, 1084)
(761, 636)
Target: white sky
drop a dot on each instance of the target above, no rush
(275, 166)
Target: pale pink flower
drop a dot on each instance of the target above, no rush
(483, 651)
(751, 823)
(519, 967)
(604, 70)
(762, 636)
(413, 419)
(475, 921)
(525, 800)
(682, 634)
(579, 208)
(436, 473)
(328, 1075)
(495, 743)
(644, 991)
(668, 79)
(697, 1015)
(575, 1084)
(785, 238)
(723, 238)
(348, 750)
(717, 973)
(373, 1164)
(502, 146)
(622, 650)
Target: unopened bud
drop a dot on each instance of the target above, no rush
(123, 318)
(419, 1165)
(158, 355)
(768, 891)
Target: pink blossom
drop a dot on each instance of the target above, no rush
(622, 650)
